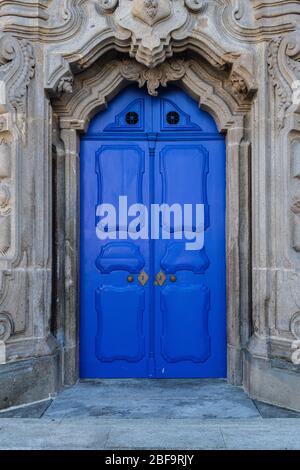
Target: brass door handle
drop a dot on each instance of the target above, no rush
(173, 278)
(130, 279)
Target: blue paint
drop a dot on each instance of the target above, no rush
(174, 330)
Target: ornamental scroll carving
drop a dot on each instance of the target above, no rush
(284, 70)
(16, 70)
(6, 327)
(283, 95)
(155, 9)
(6, 185)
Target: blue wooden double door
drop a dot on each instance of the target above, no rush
(152, 283)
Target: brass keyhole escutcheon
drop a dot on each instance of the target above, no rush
(173, 278)
(160, 278)
(130, 279)
(143, 278)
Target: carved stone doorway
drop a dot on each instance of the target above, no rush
(228, 99)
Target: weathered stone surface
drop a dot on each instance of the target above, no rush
(35, 410)
(153, 399)
(60, 63)
(95, 434)
(271, 411)
(273, 383)
(29, 380)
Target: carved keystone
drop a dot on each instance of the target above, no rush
(151, 11)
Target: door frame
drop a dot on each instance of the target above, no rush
(72, 112)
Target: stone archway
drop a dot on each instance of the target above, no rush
(228, 99)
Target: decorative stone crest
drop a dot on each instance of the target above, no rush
(151, 11)
(159, 76)
(151, 24)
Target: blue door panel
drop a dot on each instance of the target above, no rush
(150, 308)
(183, 170)
(122, 256)
(177, 258)
(197, 172)
(185, 334)
(120, 170)
(120, 324)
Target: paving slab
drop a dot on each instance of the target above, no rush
(140, 399)
(271, 434)
(150, 414)
(166, 435)
(36, 434)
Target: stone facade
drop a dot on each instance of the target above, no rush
(61, 62)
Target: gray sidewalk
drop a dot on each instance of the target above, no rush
(150, 414)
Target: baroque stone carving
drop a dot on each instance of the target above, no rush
(33, 9)
(295, 329)
(160, 76)
(45, 20)
(289, 62)
(251, 26)
(150, 44)
(17, 65)
(16, 70)
(239, 86)
(107, 6)
(295, 325)
(151, 11)
(151, 24)
(296, 352)
(196, 6)
(6, 327)
(283, 95)
(5, 185)
(65, 84)
(4, 199)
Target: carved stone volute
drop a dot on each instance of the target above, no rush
(17, 66)
(6, 327)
